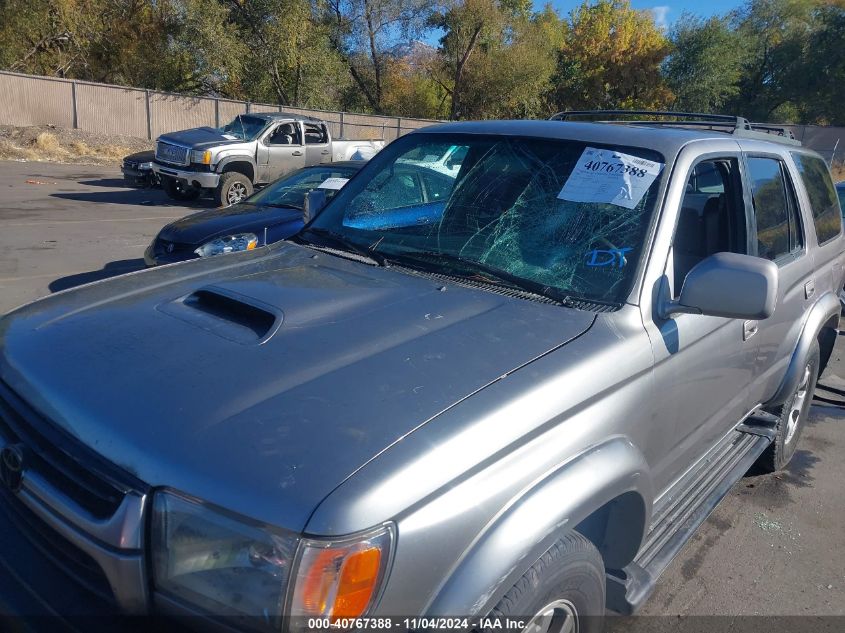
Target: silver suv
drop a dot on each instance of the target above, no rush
(512, 396)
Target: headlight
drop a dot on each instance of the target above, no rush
(223, 564)
(229, 565)
(341, 578)
(203, 158)
(228, 244)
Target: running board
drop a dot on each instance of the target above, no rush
(682, 510)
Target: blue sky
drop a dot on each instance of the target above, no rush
(666, 11)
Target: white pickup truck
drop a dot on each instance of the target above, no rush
(253, 149)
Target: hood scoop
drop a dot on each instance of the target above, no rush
(227, 314)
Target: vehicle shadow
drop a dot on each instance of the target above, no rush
(104, 182)
(136, 197)
(112, 269)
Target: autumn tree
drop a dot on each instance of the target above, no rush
(410, 90)
(362, 32)
(610, 58)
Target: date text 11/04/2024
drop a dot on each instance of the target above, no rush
(417, 624)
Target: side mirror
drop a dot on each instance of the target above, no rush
(315, 200)
(728, 285)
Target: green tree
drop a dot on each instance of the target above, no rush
(289, 59)
(823, 73)
(494, 60)
(705, 67)
(774, 34)
(610, 58)
(117, 41)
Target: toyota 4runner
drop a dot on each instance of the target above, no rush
(518, 402)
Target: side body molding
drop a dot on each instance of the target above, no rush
(826, 308)
(529, 526)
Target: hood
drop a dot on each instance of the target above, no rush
(199, 138)
(202, 226)
(147, 156)
(265, 400)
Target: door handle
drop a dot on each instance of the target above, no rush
(809, 289)
(325, 151)
(296, 153)
(749, 329)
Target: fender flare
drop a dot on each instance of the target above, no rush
(238, 158)
(827, 307)
(529, 526)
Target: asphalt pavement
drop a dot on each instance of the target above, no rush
(775, 546)
(64, 225)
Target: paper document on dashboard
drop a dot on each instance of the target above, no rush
(607, 176)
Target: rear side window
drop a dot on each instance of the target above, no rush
(825, 205)
(775, 209)
(315, 134)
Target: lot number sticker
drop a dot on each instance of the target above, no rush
(333, 183)
(602, 175)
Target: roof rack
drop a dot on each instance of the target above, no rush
(735, 125)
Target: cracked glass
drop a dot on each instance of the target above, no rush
(492, 202)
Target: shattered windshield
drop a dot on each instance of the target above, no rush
(243, 127)
(553, 217)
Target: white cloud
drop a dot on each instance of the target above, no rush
(661, 16)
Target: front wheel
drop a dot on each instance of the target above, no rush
(563, 592)
(232, 188)
(793, 417)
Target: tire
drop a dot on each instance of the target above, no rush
(567, 584)
(232, 188)
(793, 417)
(177, 191)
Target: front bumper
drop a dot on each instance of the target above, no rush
(137, 177)
(67, 548)
(206, 180)
(158, 253)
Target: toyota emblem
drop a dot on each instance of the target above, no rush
(11, 467)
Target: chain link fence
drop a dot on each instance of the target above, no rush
(30, 100)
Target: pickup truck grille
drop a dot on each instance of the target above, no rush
(173, 154)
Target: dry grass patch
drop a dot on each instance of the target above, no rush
(48, 143)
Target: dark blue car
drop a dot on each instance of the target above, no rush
(268, 216)
(275, 213)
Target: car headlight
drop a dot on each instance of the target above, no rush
(228, 244)
(226, 565)
(229, 565)
(201, 157)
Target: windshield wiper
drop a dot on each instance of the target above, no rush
(279, 205)
(337, 241)
(483, 272)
